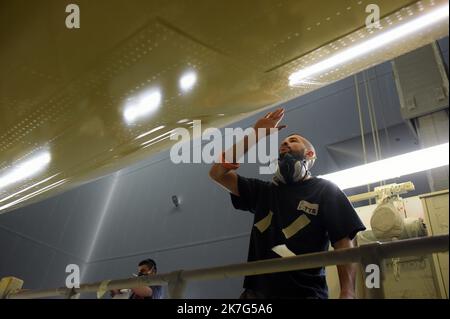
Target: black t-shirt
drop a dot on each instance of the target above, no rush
(293, 220)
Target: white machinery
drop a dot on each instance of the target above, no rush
(389, 220)
(395, 218)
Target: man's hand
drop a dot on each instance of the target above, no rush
(271, 120)
(227, 177)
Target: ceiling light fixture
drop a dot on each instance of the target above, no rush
(393, 167)
(377, 42)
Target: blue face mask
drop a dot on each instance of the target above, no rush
(292, 168)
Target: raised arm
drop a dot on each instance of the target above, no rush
(225, 175)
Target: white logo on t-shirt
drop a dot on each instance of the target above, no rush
(312, 209)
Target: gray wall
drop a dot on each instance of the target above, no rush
(110, 224)
(38, 241)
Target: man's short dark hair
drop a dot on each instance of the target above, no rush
(148, 262)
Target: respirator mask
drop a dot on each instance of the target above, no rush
(292, 168)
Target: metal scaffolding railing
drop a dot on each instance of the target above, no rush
(176, 281)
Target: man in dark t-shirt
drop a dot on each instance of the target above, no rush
(146, 267)
(294, 214)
